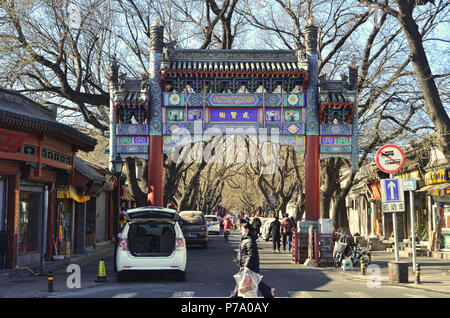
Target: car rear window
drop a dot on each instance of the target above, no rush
(192, 218)
(211, 218)
(151, 214)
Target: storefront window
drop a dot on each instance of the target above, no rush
(28, 221)
(65, 220)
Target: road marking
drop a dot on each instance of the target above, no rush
(299, 294)
(125, 295)
(357, 295)
(415, 296)
(184, 294)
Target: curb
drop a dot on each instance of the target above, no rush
(104, 250)
(386, 282)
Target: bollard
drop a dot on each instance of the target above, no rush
(50, 282)
(363, 267)
(417, 280)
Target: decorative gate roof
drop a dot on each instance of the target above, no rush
(222, 62)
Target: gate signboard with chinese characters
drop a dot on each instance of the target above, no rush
(270, 93)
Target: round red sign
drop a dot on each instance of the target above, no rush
(390, 158)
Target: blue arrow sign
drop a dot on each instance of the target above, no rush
(392, 193)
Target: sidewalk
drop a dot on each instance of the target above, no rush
(434, 276)
(21, 283)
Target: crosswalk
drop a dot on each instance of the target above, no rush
(291, 294)
(125, 295)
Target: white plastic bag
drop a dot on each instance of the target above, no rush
(247, 283)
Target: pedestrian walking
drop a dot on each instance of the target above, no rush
(274, 230)
(248, 258)
(287, 227)
(256, 223)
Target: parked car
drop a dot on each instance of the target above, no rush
(151, 239)
(213, 224)
(265, 234)
(194, 227)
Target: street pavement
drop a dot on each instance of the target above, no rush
(210, 274)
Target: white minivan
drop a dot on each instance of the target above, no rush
(152, 239)
(213, 224)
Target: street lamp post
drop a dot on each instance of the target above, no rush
(117, 166)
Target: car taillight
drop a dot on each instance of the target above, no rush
(123, 244)
(180, 243)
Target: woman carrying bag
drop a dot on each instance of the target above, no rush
(248, 258)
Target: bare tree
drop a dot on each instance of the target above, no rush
(415, 37)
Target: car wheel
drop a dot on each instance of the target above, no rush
(181, 276)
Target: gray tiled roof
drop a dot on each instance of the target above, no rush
(20, 112)
(233, 61)
(83, 167)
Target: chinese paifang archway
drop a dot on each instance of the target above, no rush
(250, 89)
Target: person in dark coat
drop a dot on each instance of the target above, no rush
(248, 258)
(257, 226)
(274, 230)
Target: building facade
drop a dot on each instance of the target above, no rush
(37, 157)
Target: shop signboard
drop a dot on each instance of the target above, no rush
(409, 184)
(433, 177)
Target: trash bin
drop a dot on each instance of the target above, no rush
(3, 248)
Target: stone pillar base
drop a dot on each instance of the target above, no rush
(398, 272)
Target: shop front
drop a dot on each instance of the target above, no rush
(67, 197)
(36, 156)
(3, 230)
(437, 189)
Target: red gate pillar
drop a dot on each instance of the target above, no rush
(155, 160)
(155, 172)
(312, 153)
(312, 181)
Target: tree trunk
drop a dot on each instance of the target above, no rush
(433, 103)
(139, 195)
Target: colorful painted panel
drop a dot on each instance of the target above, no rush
(244, 128)
(235, 129)
(335, 149)
(195, 114)
(336, 130)
(175, 114)
(331, 140)
(294, 129)
(334, 155)
(132, 149)
(292, 115)
(170, 128)
(239, 115)
(174, 99)
(232, 100)
(272, 115)
(294, 100)
(131, 130)
(132, 140)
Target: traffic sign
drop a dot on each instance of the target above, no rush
(409, 184)
(392, 197)
(390, 158)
